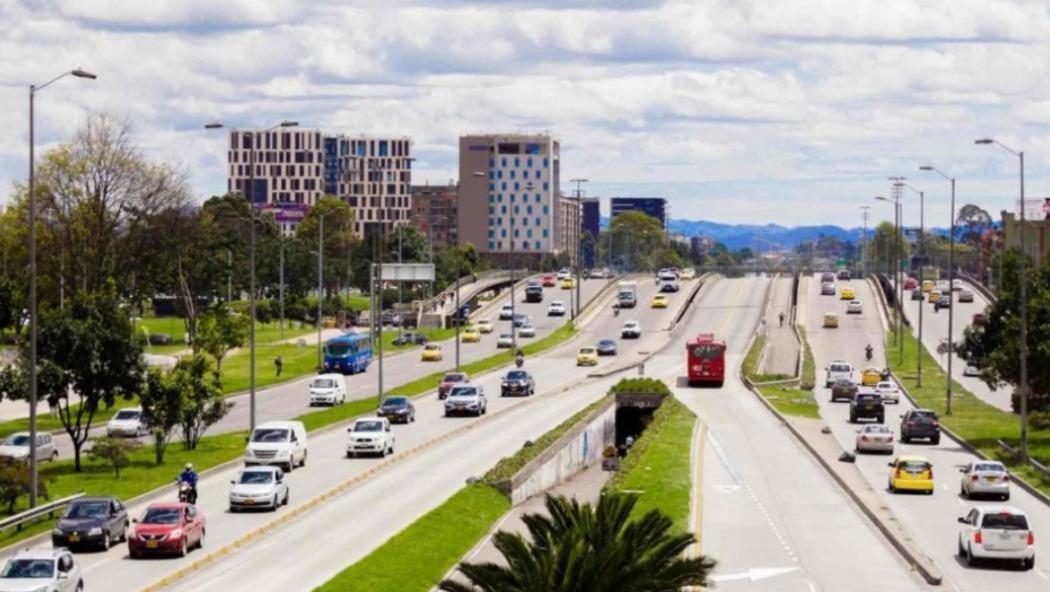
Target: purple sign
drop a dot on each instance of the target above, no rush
(284, 212)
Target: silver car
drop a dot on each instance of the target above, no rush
(889, 391)
(527, 330)
(259, 487)
(874, 437)
(985, 477)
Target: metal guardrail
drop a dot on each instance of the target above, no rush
(1015, 454)
(49, 508)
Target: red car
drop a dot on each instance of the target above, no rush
(548, 281)
(978, 319)
(910, 283)
(167, 529)
(450, 380)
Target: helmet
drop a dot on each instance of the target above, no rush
(189, 466)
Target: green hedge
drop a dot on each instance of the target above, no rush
(809, 366)
(640, 386)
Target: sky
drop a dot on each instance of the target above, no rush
(741, 111)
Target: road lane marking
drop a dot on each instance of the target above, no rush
(720, 453)
(754, 574)
(1040, 573)
(732, 308)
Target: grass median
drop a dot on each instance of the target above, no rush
(790, 398)
(972, 419)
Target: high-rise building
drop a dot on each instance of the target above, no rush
(375, 178)
(651, 206)
(435, 211)
(569, 226)
(591, 215)
(289, 165)
(509, 194)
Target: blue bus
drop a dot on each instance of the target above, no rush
(348, 353)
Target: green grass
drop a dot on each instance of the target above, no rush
(46, 423)
(431, 334)
(418, 557)
(977, 422)
(809, 365)
(298, 361)
(791, 400)
(175, 327)
(658, 466)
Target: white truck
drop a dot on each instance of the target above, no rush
(627, 294)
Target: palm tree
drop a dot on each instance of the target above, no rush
(583, 548)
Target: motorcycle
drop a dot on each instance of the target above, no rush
(187, 493)
(616, 310)
(519, 360)
(868, 353)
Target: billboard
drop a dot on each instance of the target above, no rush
(285, 212)
(1034, 208)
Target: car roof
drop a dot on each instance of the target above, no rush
(94, 498)
(373, 418)
(329, 375)
(167, 505)
(1001, 509)
(40, 553)
(913, 457)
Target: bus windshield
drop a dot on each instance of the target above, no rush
(340, 348)
(706, 351)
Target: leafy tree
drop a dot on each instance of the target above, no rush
(340, 243)
(973, 220)
(220, 330)
(633, 238)
(14, 483)
(883, 244)
(162, 400)
(86, 351)
(202, 403)
(582, 548)
(114, 451)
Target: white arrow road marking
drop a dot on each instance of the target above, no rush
(754, 574)
(727, 488)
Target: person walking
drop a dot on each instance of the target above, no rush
(781, 319)
(278, 364)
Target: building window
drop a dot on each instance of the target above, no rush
(528, 210)
(512, 174)
(516, 209)
(517, 161)
(517, 186)
(529, 161)
(546, 210)
(492, 162)
(492, 233)
(528, 233)
(503, 232)
(517, 233)
(499, 174)
(538, 223)
(525, 221)
(545, 186)
(503, 162)
(546, 233)
(546, 162)
(538, 198)
(503, 209)
(538, 245)
(503, 185)
(492, 186)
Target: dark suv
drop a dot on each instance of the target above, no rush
(517, 382)
(866, 405)
(410, 338)
(843, 388)
(920, 424)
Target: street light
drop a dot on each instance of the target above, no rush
(251, 283)
(579, 242)
(1023, 388)
(320, 282)
(33, 89)
(922, 266)
(951, 284)
(896, 255)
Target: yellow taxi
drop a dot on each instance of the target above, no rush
(911, 473)
(568, 283)
(484, 326)
(470, 335)
(587, 356)
(847, 293)
(831, 320)
(927, 286)
(870, 376)
(935, 296)
(431, 353)
(659, 301)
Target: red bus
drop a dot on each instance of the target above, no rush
(706, 360)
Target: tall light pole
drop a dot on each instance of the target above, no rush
(33, 89)
(320, 283)
(896, 256)
(864, 253)
(922, 266)
(898, 194)
(579, 243)
(1023, 273)
(250, 196)
(951, 283)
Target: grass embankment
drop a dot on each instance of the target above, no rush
(659, 466)
(972, 419)
(791, 398)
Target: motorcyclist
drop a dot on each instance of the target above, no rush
(868, 351)
(616, 309)
(189, 477)
(519, 358)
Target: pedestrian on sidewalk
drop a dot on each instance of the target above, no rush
(781, 319)
(279, 364)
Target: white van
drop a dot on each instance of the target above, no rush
(328, 389)
(281, 443)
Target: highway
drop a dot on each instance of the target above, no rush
(438, 454)
(931, 520)
(771, 515)
(291, 399)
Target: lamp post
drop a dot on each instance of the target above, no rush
(898, 191)
(896, 256)
(951, 283)
(579, 242)
(33, 89)
(922, 266)
(864, 253)
(1023, 273)
(320, 283)
(250, 196)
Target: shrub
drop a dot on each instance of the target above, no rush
(114, 451)
(1039, 420)
(640, 385)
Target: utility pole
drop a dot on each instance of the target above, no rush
(864, 240)
(320, 285)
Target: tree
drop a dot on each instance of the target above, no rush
(114, 451)
(202, 403)
(340, 243)
(582, 548)
(973, 220)
(219, 330)
(14, 483)
(633, 237)
(161, 402)
(87, 351)
(883, 245)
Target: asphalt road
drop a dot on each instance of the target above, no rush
(931, 520)
(771, 516)
(319, 543)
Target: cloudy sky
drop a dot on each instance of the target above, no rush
(787, 111)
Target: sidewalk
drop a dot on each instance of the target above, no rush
(781, 355)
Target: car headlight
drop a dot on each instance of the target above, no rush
(57, 531)
(95, 531)
(177, 533)
(248, 452)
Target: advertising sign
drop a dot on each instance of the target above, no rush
(1034, 208)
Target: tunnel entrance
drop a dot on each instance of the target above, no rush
(634, 413)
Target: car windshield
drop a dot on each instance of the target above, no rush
(161, 516)
(887, 386)
(505, 336)
(840, 368)
(127, 414)
(431, 347)
(87, 510)
(606, 342)
(324, 383)
(914, 466)
(876, 429)
(517, 375)
(1005, 521)
(29, 568)
(17, 440)
(453, 378)
(463, 391)
(867, 398)
(395, 402)
(989, 467)
(368, 426)
(256, 477)
(924, 415)
(270, 435)
(587, 350)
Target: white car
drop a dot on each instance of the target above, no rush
(666, 275)
(42, 570)
(484, 326)
(854, 307)
(505, 340)
(999, 533)
(328, 389)
(957, 285)
(889, 391)
(527, 330)
(985, 477)
(370, 435)
(631, 330)
(687, 274)
(837, 369)
(874, 437)
(282, 443)
(556, 309)
(16, 447)
(127, 422)
(971, 370)
(506, 312)
(466, 399)
(564, 274)
(259, 487)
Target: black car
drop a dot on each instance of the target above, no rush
(945, 301)
(918, 424)
(91, 521)
(410, 338)
(916, 294)
(518, 382)
(397, 410)
(843, 388)
(534, 293)
(606, 347)
(866, 405)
